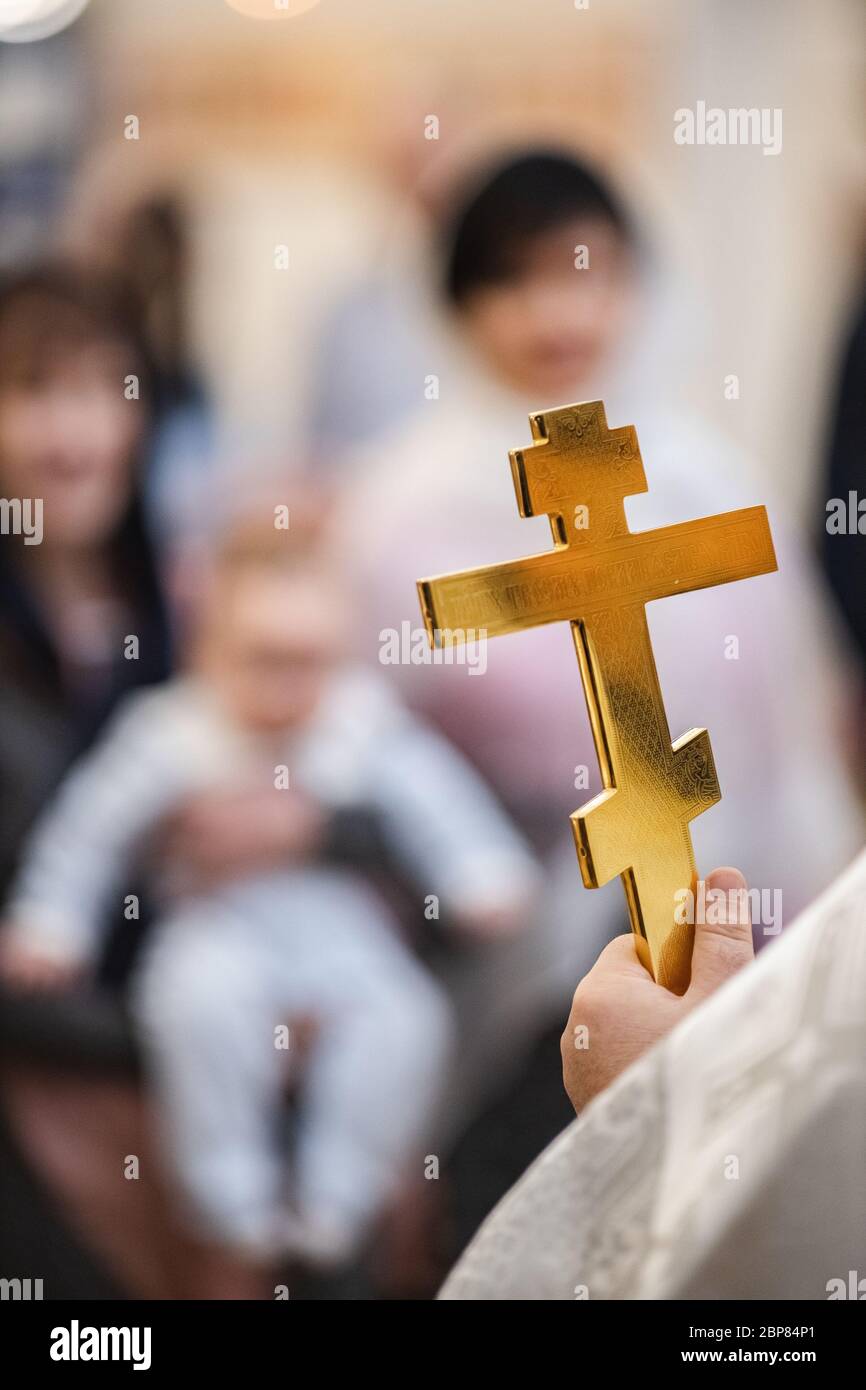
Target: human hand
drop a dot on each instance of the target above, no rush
(619, 1012)
(226, 833)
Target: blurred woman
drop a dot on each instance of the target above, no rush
(81, 615)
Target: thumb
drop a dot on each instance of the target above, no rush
(723, 935)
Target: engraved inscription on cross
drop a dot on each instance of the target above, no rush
(598, 577)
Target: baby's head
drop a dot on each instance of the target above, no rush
(272, 625)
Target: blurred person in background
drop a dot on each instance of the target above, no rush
(237, 955)
(71, 439)
(540, 278)
(75, 444)
(842, 539)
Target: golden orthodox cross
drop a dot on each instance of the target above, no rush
(598, 577)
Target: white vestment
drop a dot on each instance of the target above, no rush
(728, 1162)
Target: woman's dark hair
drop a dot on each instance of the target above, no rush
(493, 226)
(49, 312)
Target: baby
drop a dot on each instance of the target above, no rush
(269, 708)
